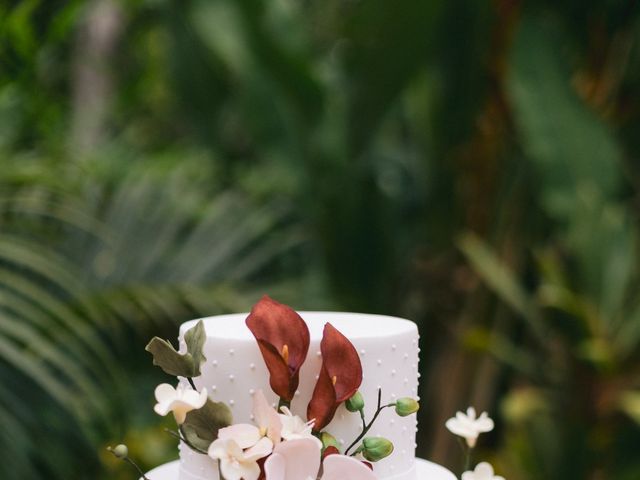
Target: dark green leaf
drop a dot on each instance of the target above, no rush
(172, 362)
(194, 338)
(202, 425)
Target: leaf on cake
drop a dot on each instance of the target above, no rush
(180, 364)
(201, 426)
(194, 338)
(172, 362)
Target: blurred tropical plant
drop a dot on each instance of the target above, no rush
(91, 265)
(575, 353)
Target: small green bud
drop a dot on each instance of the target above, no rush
(120, 451)
(376, 448)
(328, 440)
(406, 406)
(355, 403)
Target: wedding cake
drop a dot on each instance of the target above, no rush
(285, 395)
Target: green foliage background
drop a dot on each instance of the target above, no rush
(472, 165)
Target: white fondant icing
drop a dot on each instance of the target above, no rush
(234, 364)
(423, 471)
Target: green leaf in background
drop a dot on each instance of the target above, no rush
(578, 159)
(570, 146)
(500, 279)
(194, 338)
(172, 362)
(202, 425)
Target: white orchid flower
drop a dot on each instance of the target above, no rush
(300, 459)
(268, 426)
(468, 426)
(339, 467)
(236, 463)
(295, 428)
(293, 460)
(483, 471)
(179, 400)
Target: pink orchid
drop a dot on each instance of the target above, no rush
(268, 423)
(300, 460)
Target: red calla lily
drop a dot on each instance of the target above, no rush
(340, 377)
(283, 338)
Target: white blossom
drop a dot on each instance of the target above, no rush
(483, 471)
(179, 400)
(295, 428)
(268, 426)
(468, 426)
(300, 459)
(236, 463)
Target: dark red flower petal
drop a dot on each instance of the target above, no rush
(283, 338)
(323, 404)
(339, 378)
(330, 450)
(342, 363)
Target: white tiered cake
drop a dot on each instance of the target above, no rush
(235, 370)
(388, 349)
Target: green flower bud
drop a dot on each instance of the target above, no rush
(355, 403)
(120, 451)
(376, 448)
(328, 440)
(406, 406)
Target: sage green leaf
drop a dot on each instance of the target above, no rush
(201, 426)
(194, 338)
(172, 362)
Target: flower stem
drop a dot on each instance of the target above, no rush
(182, 438)
(368, 426)
(283, 403)
(135, 465)
(193, 385)
(467, 460)
(466, 451)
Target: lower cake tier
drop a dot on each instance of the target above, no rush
(195, 466)
(388, 348)
(423, 471)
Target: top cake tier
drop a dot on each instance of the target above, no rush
(388, 349)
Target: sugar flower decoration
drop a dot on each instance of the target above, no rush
(483, 471)
(293, 460)
(283, 338)
(340, 377)
(180, 400)
(236, 463)
(269, 426)
(295, 428)
(339, 467)
(468, 426)
(300, 460)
